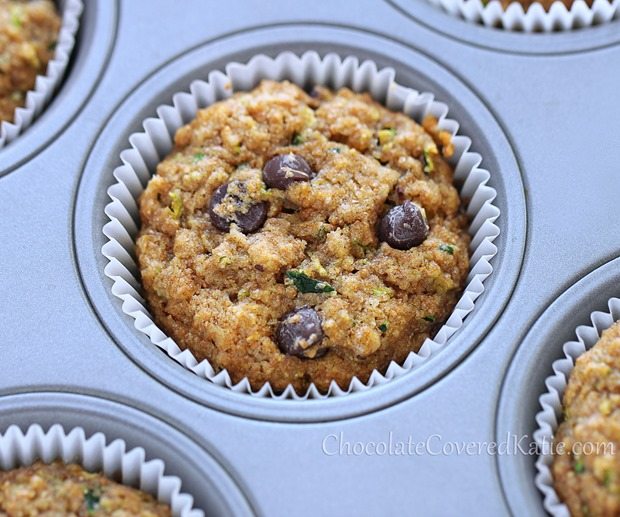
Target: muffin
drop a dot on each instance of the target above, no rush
(545, 3)
(300, 239)
(60, 489)
(586, 466)
(28, 34)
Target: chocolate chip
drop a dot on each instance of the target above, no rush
(249, 217)
(300, 334)
(404, 226)
(284, 169)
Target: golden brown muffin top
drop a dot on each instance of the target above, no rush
(587, 474)
(28, 34)
(224, 293)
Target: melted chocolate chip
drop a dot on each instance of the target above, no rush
(300, 334)
(284, 169)
(404, 226)
(248, 218)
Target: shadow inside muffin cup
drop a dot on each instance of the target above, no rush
(150, 147)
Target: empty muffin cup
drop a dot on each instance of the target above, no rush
(149, 148)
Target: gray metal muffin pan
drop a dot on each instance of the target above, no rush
(543, 112)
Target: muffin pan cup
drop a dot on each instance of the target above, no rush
(152, 145)
(93, 47)
(530, 404)
(535, 18)
(550, 415)
(124, 444)
(431, 15)
(46, 85)
(71, 356)
(413, 70)
(22, 448)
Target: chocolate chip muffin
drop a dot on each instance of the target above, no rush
(298, 238)
(28, 33)
(586, 464)
(59, 489)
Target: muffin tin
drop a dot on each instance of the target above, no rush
(541, 111)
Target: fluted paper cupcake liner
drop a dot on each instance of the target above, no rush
(549, 417)
(94, 454)
(46, 85)
(559, 17)
(149, 147)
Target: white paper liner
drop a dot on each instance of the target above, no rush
(550, 415)
(46, 85)
(535, 18)
(113, 460)
(148, 148)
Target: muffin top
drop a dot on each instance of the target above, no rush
(298, 238)
(59, 489)
(586, 470)
(28, 34)
(545, 3)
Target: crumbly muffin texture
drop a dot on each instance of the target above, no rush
(58, 489)
(586, 468)
(222, 294)
(28, 34)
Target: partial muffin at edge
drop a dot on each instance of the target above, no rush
(68, 489)
(545, 3)
(586, 464)
(28, 35)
